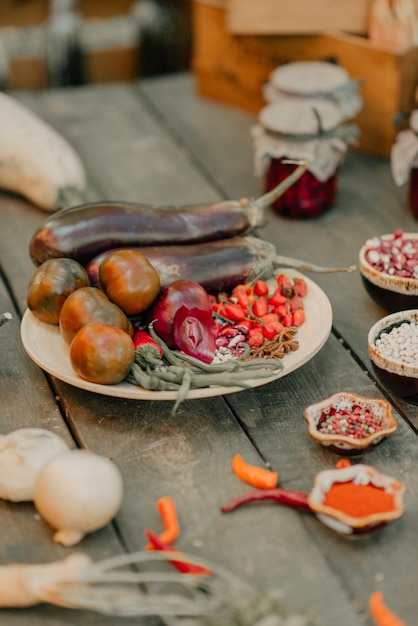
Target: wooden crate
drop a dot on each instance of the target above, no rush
(233, 68)
(287, 17)
(23, 12)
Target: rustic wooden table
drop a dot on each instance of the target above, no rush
(158, 142)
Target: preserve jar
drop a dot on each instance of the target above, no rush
(295, 129)
(315, 79)
(404, 160)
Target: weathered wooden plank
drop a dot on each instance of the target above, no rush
(189, 455)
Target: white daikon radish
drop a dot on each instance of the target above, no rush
(22, 454)
(110, 588)
(77, 493)
(35, 160)
(27, 585)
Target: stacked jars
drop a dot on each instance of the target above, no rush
(309, 103)
(404, 160)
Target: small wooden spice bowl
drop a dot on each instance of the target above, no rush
(393, 292)
(397, 375)
(349, 424)
(361, 513)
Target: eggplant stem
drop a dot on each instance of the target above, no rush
(305, 266)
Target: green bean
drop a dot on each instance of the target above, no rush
(183, 390)
(181, 372)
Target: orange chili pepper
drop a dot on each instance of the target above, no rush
(380, 613)
(343, 463)
(168, 512)
(258, 477)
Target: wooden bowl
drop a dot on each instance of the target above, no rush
(352, 443)
(396, 375)
(350, 525)
(393, 292)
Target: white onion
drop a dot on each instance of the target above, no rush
(22, 454)
(77, 493)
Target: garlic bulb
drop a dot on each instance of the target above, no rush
(22, 454)
(77, 493)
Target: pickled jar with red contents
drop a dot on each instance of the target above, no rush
(294, 129)
(404, 160)
(308, 197)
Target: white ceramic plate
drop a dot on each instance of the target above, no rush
(46, 348)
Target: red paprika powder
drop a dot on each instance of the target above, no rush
(359, 500)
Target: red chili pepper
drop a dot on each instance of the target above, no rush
(270, 318)
(285, 285)
(261, 288)
(300, 287)
(298, 317)
(260, 307)
(290, 497)
(242, 297)
(287, 321)
(281, 311)
(181, 566)
(244, 325)
(256, 339)
(235, 312)
(269, 331)
(296, 303)
(146, 349)
(277, 298)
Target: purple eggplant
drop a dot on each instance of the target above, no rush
(216, 265)
(84, 231)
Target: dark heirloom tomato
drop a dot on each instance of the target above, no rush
(102, 354)
(51, 284)
(129, 280)
(87, 305)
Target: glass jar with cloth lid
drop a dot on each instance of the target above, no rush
(295, 129)
(315, 79)
(404, 160)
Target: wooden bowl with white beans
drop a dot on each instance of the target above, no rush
(393, 352)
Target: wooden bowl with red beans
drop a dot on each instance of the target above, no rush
(389, 269)
(349, 424)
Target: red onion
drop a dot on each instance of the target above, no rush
(195, 333)
(180, 293)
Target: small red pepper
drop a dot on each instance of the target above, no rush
(290, 497)
(182, 566)
(147, 351)
(300, 287)
(261, 288)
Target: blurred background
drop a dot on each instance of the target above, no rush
(50, 43)
(231, 47)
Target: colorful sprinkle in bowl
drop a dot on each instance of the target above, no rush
(389, 270)
(361, 475)
(398, 374)
(349, 424)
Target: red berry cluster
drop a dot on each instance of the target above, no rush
(259, 314)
